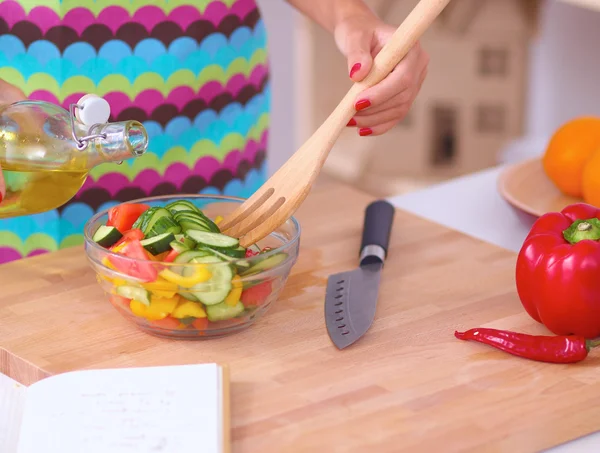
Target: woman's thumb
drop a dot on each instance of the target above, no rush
(358, 53)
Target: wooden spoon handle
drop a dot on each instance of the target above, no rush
(403, 39)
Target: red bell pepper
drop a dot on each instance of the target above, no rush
(124, 215)
(142, 269)
(558, 271)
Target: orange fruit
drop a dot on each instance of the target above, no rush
(568, 151)
(590, 181)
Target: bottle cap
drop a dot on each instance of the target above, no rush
(92, 110)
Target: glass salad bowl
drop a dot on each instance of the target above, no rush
(165, 266)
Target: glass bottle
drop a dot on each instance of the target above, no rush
(46, 152)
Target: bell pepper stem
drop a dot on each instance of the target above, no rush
(583, 229)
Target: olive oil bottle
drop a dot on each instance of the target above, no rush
(46, 152)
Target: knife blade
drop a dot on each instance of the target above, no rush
(351, 296)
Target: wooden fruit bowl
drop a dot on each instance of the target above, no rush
(526, 186)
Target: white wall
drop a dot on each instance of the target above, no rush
(280, 19)
(565, 68)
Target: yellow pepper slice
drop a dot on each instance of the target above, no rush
(163, 304)
(188, 309)
(161, 288)
(159, 308)
(236, 292)
(218, 219)
(201, 274)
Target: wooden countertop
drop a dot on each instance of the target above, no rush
(407, 386)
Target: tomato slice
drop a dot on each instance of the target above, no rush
(129, 235)
(256, 295)
(144, 271)
(123, 216)
(171, 256)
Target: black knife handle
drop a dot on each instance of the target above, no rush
(377, 228)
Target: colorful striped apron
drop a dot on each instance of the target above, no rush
(194, 72)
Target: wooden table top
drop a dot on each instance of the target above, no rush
(407, 386)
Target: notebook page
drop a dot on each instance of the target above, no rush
(133, 410)
(12, 400)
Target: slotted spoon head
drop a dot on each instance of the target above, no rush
(276, 201)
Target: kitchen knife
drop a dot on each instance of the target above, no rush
(351, 297)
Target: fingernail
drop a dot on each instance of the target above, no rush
(365, 131)
(362, 104)
(355, 69)
(352, 122)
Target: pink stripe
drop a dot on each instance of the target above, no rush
(118, 102)
(184, 16)
(11, 12)
(149, 16)
(241, 8)
(177, 172)
(215, 12)
(179, 97)
(78, 19)
(43, 95)
(44, 18)
(113, 17)
(148, 100)
(8, 254)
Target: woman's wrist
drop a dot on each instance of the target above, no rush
(330, 13)
(344, 10)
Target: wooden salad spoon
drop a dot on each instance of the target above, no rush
(279, 197)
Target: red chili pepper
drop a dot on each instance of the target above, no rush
(558, 268)
(250, 253)
(543, 348)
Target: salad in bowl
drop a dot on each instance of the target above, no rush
(165, 265)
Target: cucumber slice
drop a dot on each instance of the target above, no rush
(148, 219)
(222, 311)
(266, 264)
(189, 255)
(106, 236)
(238, 252)
(181, 205)
(215, 290)
(163, 225)
(135, 293)
(191, 218)
(186, 241)
(212, 240)
(240, 264)
(179, 247)
(158, 244)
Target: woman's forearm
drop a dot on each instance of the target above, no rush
(329, 13)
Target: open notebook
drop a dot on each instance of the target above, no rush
(171, 409)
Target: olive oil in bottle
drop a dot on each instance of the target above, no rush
(47, 152)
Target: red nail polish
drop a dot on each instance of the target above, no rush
(362, 104)
(355, 69)
(365, 131)
(352, 122)
(0, 195)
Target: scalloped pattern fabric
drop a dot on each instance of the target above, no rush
(194, 72)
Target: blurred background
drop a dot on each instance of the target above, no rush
(503, 76)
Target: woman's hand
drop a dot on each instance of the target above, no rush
(360, 37)
(8, 94)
